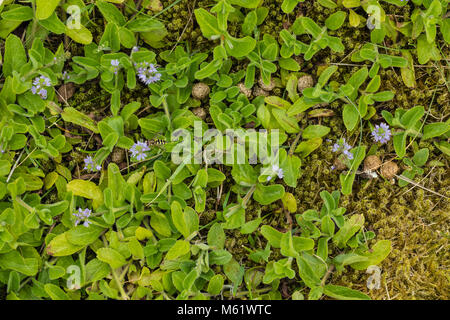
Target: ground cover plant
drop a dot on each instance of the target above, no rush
(224, 149)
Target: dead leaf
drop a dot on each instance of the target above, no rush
(65, 92)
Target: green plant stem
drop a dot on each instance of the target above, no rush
(166, 110)
(116, 278)
(248, 195)
(327, 275)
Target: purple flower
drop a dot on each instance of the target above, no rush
(381, 133)
(343, 147)
(147, 72)
(65, 76)
(90, 165)
(83, 216)
(278, 171)
(138, 150)
(116, 64)
(39, 85)
(135, 49)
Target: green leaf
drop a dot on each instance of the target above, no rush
(111, 13)
(399, 141)
(239, 48)
(249, 4)
(55, 292)
(289, 64)
(306, 272)
(215, 284)
(350, 228)
(343, 293)
(111, 257)
(268, 194)
(235, 272)
(219, 257)
(421, 157)
(250, 22)
(216, 236)
(19, 13)
(336, 20)
(208, 23)
(350, 115)
(83, 236)
(15, 56)
(289, 124)
(288, 5)
(435, 130)
(74, 116)
(60, 246)
(315, 131)
(186, 221)
(378, 253)
(180, 248)
(410, 117)
(5, 167)
(86, 189)
(145, 25)
(82, 35)
(277, 102)
(272, 235)
(408, 73)
(14, 261)
(45, 8)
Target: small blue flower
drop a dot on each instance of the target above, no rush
(147, 72)
(90, 165)
(116, 64)
(276, 170)
(138, 150)
(65, 76)
(135, 49)
(343, 147)
(39, 85)
(83, 216)
(381, 133)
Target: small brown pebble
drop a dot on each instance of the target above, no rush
(199, 112)
(243, 89)
(266, 87)
(372, 163)
(305, 82)
(200, 91)
(389, 170)
(339, 165)
(257, 91)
